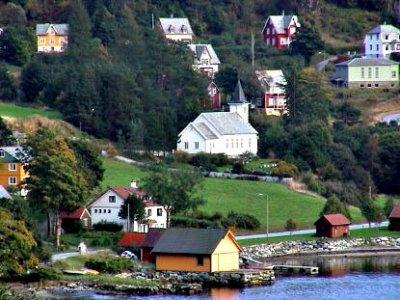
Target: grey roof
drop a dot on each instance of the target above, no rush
(61, 29)
(228, 123)
(368, 62)
(198, 49)
(4, 193)
(175, 25)
(189, 241)
(281, 22)
(205, 130)
(238, 95)
(16, 152)
(384, 29)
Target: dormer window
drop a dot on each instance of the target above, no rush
(184, 29)
(171, 28)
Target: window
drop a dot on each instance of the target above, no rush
(232, 143)
(362, 72)
(377, 47)
(376, 72)
(369, 72)
(12, 167)
(237, 143)
(112, 199)
(95, 210)
(2, 153)
(204, 62)
(369, 85)
(200, 260)
(12, 180)
(387, 47)
(241, 143)
(186, 145)
(386, 37)
(149, 212)
(109, 211)
(376, 85)
(227, 144)
(159, 212)
(196, 145)
(362, 85)
(370, 47)
(394, 74)
(250, 143)
(104, 210)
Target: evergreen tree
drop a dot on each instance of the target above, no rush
(6, 135)
(135, 206)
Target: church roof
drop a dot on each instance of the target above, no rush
(227, 123)
(238, 95)
(205, 130)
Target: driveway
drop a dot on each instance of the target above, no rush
(65, 255)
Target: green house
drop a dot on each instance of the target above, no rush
(367, 73)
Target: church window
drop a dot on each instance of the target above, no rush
(196, 145)
(186, 145)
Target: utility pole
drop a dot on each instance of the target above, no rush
(267, 215)
(129, 219)
(252, 49)
(152, 21)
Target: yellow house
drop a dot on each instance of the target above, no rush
(12, 172)
(197, 250)
(52, 37)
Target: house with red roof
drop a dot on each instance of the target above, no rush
(394, 218)
(107, 206)
(278, 30)
(69, 220)
(332, 226)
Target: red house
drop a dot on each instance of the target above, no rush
(394, 218)
(69, 220)
(278, 30)
(215, 95)
(150, 240)
(332, 226)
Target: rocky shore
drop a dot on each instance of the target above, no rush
(317, 246)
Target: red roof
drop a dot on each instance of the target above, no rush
(395, 212)
(336, 219)
(76, 214)
(152, 237)
(132, 239)
(125, 191)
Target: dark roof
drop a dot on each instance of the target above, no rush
(238, 95)
(367, 62)
(189, 241)
(152, 237)
(131, 239)
(335, 219)
(395, 212)
(76, 214)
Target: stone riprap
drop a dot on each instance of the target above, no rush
(316, 246)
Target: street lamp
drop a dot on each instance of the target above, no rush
(267, 208)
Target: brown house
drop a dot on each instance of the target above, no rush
(197, 250)
(332, 226)
(150, 240)
(394, 218)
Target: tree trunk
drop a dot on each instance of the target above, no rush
(58, 230)
(48, 224)
(168, 217)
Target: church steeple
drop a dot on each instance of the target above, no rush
(238, 102)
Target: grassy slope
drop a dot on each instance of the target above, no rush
(19, 112)
(224, 195)
(358, 233)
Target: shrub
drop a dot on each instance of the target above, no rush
(169, 159)
(181, 157)
(238, 168)
(284, 169)
(107, 226)
(190, 222)
(209, 162)
(111, 265)
(74, 226)
(43, 273)
(242, 221)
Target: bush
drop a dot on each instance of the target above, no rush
(181, 157)
(238, 168)
(209, 162)
(191, 222)
(111, 265)
(43, 273)
(284, 169)
(242, 221)
(107, 226)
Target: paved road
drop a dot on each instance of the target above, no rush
(303, 231)
(65, 255)
(322, 64)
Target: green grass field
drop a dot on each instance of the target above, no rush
(20, 112)
(225, 195)
(357, 233)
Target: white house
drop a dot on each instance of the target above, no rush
(107, 206)
(221, 132)
(177, 29)
(205, 59)
(381, 41)
(273, 101)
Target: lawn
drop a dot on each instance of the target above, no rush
(20, 112)
(356, 233)
(225, 195)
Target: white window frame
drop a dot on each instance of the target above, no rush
(112, 197)
(186, 145)
(2, 153)
(159, 212)
(12, 182)
(12, 167)
(149, 212)
(196, 145)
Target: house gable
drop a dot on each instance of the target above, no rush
(104, 200)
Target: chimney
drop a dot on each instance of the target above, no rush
(134, 184)
(172, 15)
(283, 12)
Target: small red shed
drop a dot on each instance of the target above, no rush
(151, 239)
(70, 219)
(332, 226)
(394, 218)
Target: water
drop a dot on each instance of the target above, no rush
(372, 277)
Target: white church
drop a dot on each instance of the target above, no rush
(222, 132)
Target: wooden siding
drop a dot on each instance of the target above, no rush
(5, 173)
(182, 262)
